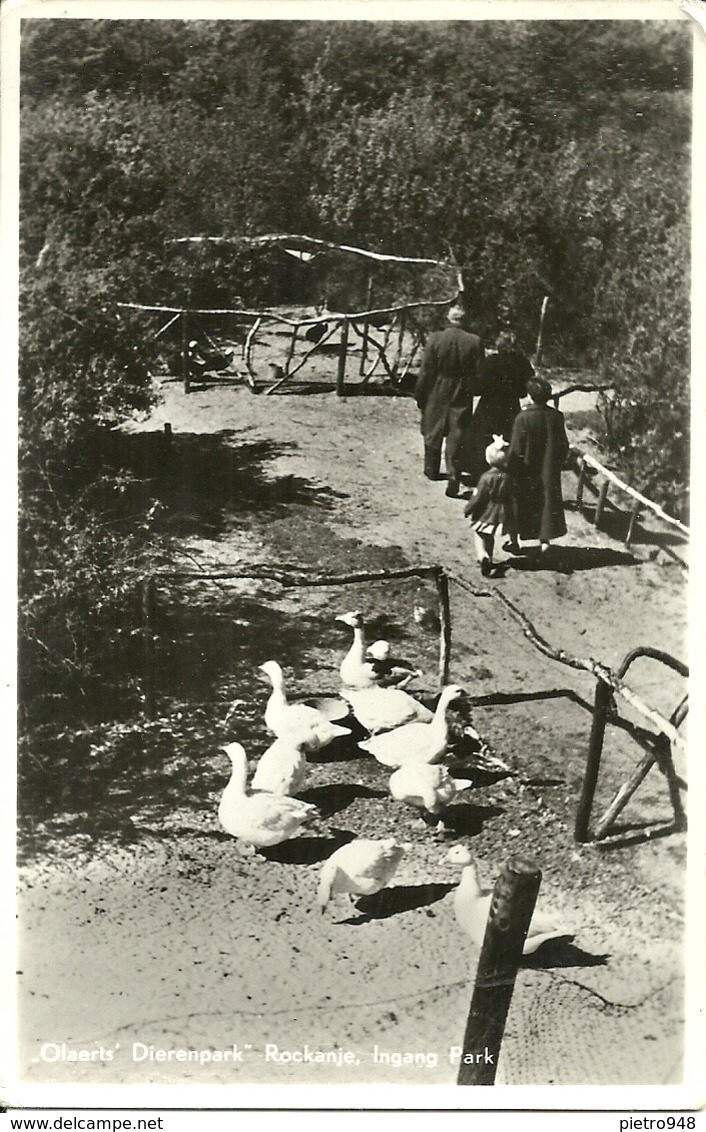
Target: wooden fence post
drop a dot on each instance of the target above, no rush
(340, 376)
(400, 341)
(185, 360)
(149, 605)
(364, 343)
(580, 484)
(290, 351)
(601, 704)
(542, 316)
(600, 503)
(634, 516)
(442, 585)
(511, 908)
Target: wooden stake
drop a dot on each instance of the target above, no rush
(542, 314)
(600, 503)
(341, 374)
(364, 344)
(601, 705)
(442, 585)
(290, 351)
(248, 348)
(511, 908)
(149, 604)
(185, 362)
(625, 793)
(580, 485)
(634, 516)
(400, 339)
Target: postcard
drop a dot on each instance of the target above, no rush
(353, 349)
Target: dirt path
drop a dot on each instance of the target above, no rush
(178, 942)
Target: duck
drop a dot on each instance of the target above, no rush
(305, 727)
(382, 709)
(360, 868)
(258, 819)
(426, 786)
(281, 770)
(472, 905)
(372, 667)
(416, 742)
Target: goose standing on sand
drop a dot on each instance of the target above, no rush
(426, 786)
(360, 868)
(472, 905)
(258, 820)
(281, 769)
(303, 726)
(382, 709)
(417, 742)
(371, 667)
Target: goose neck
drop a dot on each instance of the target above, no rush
(358, 646)
(239, 774)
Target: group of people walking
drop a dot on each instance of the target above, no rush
(514, 455)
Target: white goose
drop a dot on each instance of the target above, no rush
(373, 667)
(303, 726)
(281, 770)
(382, 709)
(360, 868)
(426, 786)
(258, 819)
(472, 905)
(418, 742)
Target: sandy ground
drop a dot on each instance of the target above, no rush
(176, 941)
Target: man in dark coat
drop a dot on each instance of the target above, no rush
(538, 451)
(446, 386)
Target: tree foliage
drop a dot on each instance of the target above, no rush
(547, 157)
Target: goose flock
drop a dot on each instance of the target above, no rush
(402, 735)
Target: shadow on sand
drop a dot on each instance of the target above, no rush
(568, 559)
(391, 901)
(337, 796)
(562, 953)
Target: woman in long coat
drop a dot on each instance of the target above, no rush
(538, 451)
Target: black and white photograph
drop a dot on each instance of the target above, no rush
(354, 397)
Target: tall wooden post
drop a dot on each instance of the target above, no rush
(290, 351)
(601, 704)
(400, 340)
(511, 908)
(542, 316)
(600, 503)
(185, 360)
(340, 376)
(149, 605)
(580, 485)
(634, 516)
(442, 585)
(364, 343)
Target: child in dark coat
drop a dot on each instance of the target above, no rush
(492, 506)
